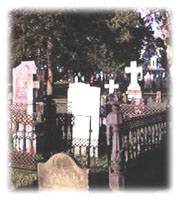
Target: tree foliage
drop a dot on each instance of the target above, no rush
(159, 21)
(78, 40)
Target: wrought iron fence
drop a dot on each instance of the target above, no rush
(140, 133)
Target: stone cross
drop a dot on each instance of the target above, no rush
(111, 86)
(134, 71)
(134, 90)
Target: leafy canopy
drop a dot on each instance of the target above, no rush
(83, 41)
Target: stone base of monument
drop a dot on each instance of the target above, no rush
(134, 94)
(116, 180)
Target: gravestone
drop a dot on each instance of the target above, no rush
(23, 84)
(134, 90)
(84, 104)
(61, 172)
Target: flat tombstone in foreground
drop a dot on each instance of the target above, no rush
(61, 172)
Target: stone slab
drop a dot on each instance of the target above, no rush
(61, 172)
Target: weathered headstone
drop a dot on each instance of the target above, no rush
(84, 104)
(134, 90)
(61, 172)
(111, 86)
(23, 84)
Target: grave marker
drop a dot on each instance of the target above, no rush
(111, 86)
(61, 172)
(23, 82)
(134, 90)
(84, 104)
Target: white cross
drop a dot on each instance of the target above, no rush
(111, 86)
(134, 70)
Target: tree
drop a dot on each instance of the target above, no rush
(81, 41)
(159, 21)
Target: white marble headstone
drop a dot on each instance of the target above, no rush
(84, 103)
